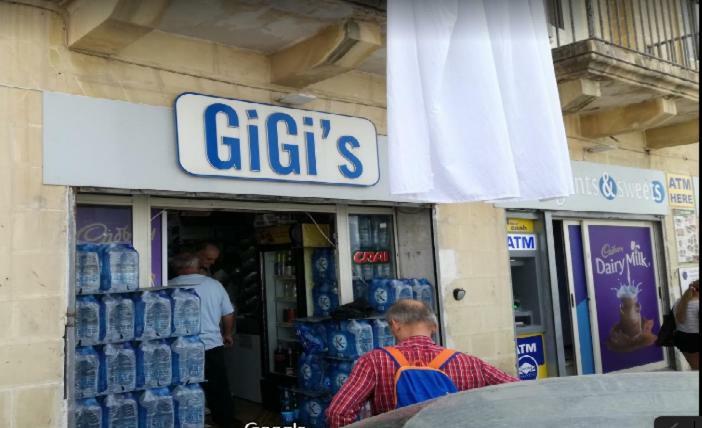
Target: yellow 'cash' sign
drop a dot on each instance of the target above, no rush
(520, 225)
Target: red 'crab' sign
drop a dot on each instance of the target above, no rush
(371, 257)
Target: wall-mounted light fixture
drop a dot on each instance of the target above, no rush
(296, 99)
(603, 145)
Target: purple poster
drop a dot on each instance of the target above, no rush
(99, 224)
(626, 295)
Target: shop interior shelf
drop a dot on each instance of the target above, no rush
(285, 277)
(286, 300)
(138, 290)
(135, 339)
(285, 375)
(310, 393)
(286, 325)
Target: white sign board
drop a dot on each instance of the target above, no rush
(608, 188)
(521, 241)
(96, 142)
(220, 137)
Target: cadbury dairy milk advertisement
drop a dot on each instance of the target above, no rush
(625, 285)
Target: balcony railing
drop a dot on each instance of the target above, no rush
(665, 29)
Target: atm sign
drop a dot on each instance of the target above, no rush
(521, 241)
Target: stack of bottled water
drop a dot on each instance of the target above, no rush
(312, 411)
(87, 268)
(188, 360)
(382, 335)
(118, 367)
(350, 339)
(189, 403)
(88, 413)
(156, 408)
(120, 268)
(154, 366)
(325, 291)
(87, 372)
(121, 411)
(383, 293)
(132, 343)
(186, 312)
(88, 320)
(153, 315)
(118, 318)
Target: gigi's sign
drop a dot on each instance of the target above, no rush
(220, 137)
(371, 257)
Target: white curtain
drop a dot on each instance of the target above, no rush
(473, 108)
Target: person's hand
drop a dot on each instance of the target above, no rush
(228, 341)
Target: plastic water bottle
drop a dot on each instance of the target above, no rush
(121, 411)
(423, 290)
(311, 371)
(326, 298)
(154, 364)
(87, 320)
(88, 413)
(312, 336)
(360, 289)
(118, 365)
(379, 296)
(186, 312)
(189, 401)
(156, 409)
(339, 374)
(153, 315)
(118, 318)
(120, 268)
(362, 334)
(382, 335)
(287, 407)
(323, 266)
(87, 268)
(188, 355)
(87, 372)
(312, 412)
(364, 231)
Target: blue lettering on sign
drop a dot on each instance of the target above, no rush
(658, 191)
(608, 187)
(521, 242)
(530, 355)
(211, 137)
(220, 137)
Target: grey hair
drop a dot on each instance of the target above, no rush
(184, 261)
(411, 312)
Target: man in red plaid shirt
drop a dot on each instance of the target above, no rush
(373, 375)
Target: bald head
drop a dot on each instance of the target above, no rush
(208, 254)
(409, 318)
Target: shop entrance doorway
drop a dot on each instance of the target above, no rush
(264, 265)
(610, 295)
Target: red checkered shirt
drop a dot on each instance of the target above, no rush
(373, 378)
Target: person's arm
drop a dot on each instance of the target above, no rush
(346, 404)
(495, 376)
(680, 309)
(228, 329)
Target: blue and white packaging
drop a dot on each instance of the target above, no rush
(383, 293)
(87, 373)
(382, 335)
(88, 413)
(118, 367)
(350, 339)
(323, 265)
(118, 318)
(312, 412)
(311, 370)
(120, 268)
(88, 320)
(154, 364)
(422, 290)
(153, 315)
(312, 336)
(325, 296)
(88, 268)
(188, 355)
(120, 411)
(338, 374)
(189, 401)
(156, 408)
(186, 312)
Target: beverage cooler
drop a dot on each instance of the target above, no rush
(286, 275)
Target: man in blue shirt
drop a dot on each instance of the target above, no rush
(216, 330)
